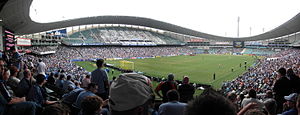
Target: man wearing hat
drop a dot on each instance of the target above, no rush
(130, 94)
(164, 87)
(291, 103)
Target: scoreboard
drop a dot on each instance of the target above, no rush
(238, 44)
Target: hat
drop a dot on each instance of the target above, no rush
(129, 91)
(185, 80)
(292, 97)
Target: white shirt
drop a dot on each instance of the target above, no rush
(41, 69)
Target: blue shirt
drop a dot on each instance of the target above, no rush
(290, 112)
(99, 76)
(172, 108)
(81, 96)
(67, 83)
(71, 97)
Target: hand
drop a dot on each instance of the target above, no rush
(105, 102)
(17, 100)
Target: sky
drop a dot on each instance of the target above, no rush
(216, 17)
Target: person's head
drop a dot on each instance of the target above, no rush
(40, 79)
(254, 112)
(232, 96)
(269, 94)
(56, 109)
(69, 77)
(270, 106)
(56, 75)
(91, 105)
(281, 72)
(210, 103)
(252, 93)
(5, 74)
(100, 63)
(130, 94)
(88, 76)
(13, 71)
(171, 77)
(62, 76)
(92, 87)
(40, 60)
(27, 73)
(290, 72)
(185, 80)
(291, 100)
(173, 95)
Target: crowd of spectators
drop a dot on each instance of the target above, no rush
(30, 88)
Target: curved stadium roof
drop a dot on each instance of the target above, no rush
(15, 16)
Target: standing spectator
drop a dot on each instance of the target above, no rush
(86, 80)
(99, 76)
(25, 84)
(282, 87)
(294, 80)
(41, 67)
(186, 90)
(16, 58)
(291, 104)
(173, 107)
(130, 94)
(164, 87)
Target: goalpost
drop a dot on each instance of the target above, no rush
(127, 65)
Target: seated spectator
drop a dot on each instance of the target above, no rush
(86, 80)
(60, 82)
(130, 94)
(210, 103)
(56, 109)
(92, 105)
(70, 98)
(233, 98)
(25, 84)
(90, 91)
(291, 104)
(67, 83)
(164, 87)
(38, 93)
(270, 106)
(51, 79)
(252, 99)
(173, 107)
(186, 90)
(13, 81)
(13, 105)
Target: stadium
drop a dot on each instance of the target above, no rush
(51, 66)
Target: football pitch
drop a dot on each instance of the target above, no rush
(199, 68)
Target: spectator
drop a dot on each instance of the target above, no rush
(25, 84)
(281, 88)
(99, 76)
(60, 82)
(13, 81)
(51, 79)
(130, 94)
(173, 107)
(252, 99)
(92, 105)
(41, 67)
(86, 80)
(16, 58)
(38, 93)
(270, 106)
(210, 103)
(294, 80)
(68, 83)
(90, 91)
(56, 109)
(233, 98)
(13, 105)
(186, 90)
(291, 104)
(164, 87)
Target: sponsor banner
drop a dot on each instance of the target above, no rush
(23, 42)
(238, 44)
(58, 33)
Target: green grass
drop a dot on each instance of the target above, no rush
(199, 68)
